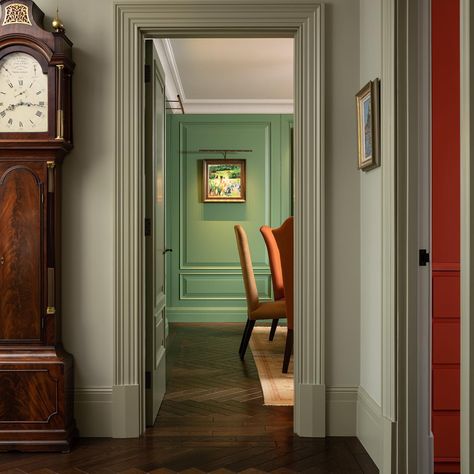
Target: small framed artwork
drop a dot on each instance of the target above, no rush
(224, 181)
(368, 125)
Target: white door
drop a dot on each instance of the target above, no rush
(155, 377)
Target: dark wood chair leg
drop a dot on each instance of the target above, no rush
(273, 329)
(288, 351)
(246, 338)
(243, 336)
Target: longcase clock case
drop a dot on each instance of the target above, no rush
(36, 373)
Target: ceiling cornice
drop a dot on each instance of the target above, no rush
(215, 106)
(168, 48)
(239, 106)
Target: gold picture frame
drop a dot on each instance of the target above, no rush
(224, 181)
(368, 125)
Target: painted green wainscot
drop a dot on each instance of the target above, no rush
(204, 282)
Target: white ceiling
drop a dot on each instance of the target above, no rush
(231, 75)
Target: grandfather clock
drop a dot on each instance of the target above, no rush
(36, 377)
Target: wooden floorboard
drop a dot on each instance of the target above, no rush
(212, 421)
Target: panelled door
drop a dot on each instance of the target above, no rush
(446, 235)
(155, 107)
(21, 248)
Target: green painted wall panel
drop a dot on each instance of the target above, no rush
(220, 287)
(203, 280)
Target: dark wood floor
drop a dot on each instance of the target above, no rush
(212, 420)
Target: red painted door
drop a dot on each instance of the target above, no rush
(446, 234)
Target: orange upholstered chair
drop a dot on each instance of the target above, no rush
(284, 239)
(255, 309)
(275, 268)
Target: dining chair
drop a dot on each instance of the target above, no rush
(256, 310)
(284, 239)
(275, 268)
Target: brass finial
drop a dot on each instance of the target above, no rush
(57, 23)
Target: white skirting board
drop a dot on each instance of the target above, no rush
(370, 426)
(93, 411)
(349, 412)
(341, 411)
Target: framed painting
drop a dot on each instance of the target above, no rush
(368, 125)
(224, 181)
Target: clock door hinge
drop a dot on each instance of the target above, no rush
(147, 73)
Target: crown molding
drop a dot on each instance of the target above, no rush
(170, 58)
(213, 106)
(239, 106)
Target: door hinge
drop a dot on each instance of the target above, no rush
(424, 257)
(147, 73)
(147, 227)
(147, 380)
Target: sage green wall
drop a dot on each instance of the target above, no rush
(204, 281)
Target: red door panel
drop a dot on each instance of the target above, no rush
(446, 433)
(446, 384)
(446, 342)
(445, 130)
(446, 294)
(446, 234)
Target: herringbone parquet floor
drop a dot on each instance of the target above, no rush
(212, 421)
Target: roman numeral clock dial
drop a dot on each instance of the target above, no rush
(23, 94)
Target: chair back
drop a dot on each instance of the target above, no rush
(284, 239)
(275, 262)
(248, 276)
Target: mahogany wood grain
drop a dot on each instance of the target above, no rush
(21, 239)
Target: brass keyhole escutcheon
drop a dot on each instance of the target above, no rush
(2, 260)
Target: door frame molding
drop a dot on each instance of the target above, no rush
(133, 23)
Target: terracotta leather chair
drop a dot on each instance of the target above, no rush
(284, 239)
(275, 267)
(255, 309)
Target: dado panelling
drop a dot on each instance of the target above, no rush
(204, 269)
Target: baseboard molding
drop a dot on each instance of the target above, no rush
(341, 411)
(206, 315)
(310, 412)
(93, 411)
(126, 411)
(389, 454)
(370, 427)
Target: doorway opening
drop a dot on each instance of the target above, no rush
(133, 24)
(218, 144)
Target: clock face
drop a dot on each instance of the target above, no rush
(23, 95)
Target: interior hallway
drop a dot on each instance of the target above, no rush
(212, 420)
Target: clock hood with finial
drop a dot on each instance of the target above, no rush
(22, 32)
(23, 18)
